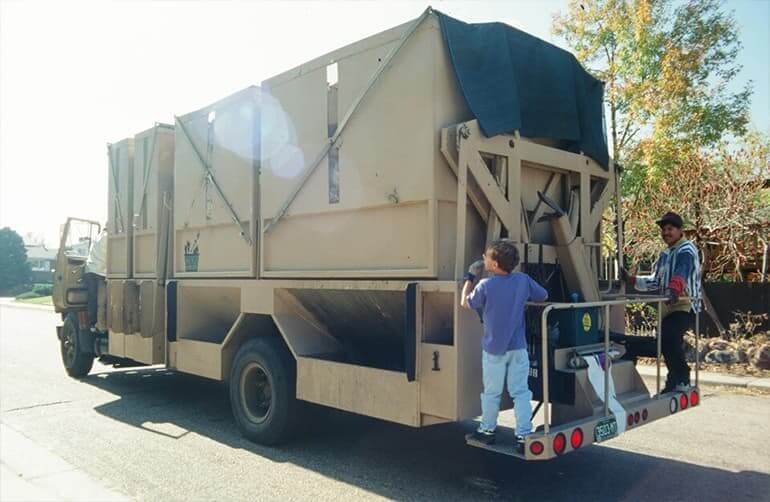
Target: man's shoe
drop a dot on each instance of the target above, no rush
(682, 387)
(482, 436)
(669, 387)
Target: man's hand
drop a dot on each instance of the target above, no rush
(672, 295)
(624, 275)
(475, 270)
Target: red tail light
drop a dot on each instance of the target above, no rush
(683, 401)
(694, 398)
(536, 447)
(644, 414)
(630, 420)
(636, 417)
(559, 443)
(576, 439)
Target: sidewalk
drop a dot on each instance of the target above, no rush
(710, 378)
(30, 472)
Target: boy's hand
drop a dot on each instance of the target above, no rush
(475, 270)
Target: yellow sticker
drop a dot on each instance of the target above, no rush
(586, 321)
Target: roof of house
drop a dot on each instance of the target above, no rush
(40, 252)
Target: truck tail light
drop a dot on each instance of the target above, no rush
(536, 447)
(683, 401)
(559, 443)
(694, 398)
(576, 438)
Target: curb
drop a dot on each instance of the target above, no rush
(711, 378)
(17, 305)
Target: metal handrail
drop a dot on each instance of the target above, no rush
(606, 304)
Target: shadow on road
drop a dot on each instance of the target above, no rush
(403, 463)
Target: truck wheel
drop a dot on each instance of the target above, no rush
(263, 391)
(76, 361)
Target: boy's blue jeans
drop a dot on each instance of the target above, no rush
(514, 364)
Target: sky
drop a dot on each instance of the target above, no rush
(76, 75)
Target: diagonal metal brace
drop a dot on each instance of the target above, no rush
(115, 187)
(331, 142)
(146, 170)
(245, 234)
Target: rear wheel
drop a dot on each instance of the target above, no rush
(77, 362)
(263, 391)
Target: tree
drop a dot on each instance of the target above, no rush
(722, 197)
(14, 269)
(666, 66)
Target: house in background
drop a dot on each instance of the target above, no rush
(42, 262)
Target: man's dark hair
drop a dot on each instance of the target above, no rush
(505, 253)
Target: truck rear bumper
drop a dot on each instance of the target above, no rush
(566, 438)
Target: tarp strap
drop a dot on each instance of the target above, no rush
(245, 234)
(117, 193)
(341, 127)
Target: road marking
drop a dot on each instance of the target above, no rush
(41, 405)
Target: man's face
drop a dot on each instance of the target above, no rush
(670, 234)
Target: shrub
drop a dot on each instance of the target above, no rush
(16, 290)
(43, 289)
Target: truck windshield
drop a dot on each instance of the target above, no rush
(80, 236)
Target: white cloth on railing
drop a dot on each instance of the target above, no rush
(596, 377)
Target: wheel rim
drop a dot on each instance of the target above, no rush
(69, 346)
(256, 392)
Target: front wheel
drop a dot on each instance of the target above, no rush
(77, 362)
(263, 391)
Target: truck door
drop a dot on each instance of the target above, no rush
(69, 290)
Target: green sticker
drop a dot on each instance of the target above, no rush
(586, 321)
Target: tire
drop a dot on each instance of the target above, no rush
(77, 362)
(263, 391)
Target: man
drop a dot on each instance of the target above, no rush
(676, 273)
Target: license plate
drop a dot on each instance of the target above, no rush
(606, 429)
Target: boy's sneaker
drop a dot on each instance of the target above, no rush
(482, 436)
(682, 387)
(520, 441)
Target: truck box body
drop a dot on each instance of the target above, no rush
(120, 162)
(152, 196)
(326, 218)
(217, 148)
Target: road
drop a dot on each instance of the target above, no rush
(149, 434)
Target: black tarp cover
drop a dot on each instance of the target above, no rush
(512, 80)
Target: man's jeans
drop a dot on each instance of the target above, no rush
(514, 363)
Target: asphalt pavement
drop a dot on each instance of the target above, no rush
(149, 434)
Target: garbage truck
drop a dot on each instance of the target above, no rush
(304, 240)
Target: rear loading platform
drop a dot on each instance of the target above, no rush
(566, 438)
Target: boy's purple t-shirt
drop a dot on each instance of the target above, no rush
(503, 298)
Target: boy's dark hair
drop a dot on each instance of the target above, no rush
(505, 253)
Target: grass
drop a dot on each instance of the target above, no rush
(40, 300)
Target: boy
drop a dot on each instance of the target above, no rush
(502, 299)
